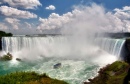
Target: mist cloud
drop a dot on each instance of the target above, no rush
(88, 18)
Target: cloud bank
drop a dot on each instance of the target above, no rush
(14, 23)
(89, 18)
(26, 4)
(93, 18)
(3, 26)
(15, 13)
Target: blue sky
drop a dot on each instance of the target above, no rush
(63, 6)
(49, 16)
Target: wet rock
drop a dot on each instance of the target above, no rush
(115, 73)
(6, 57)
(90, 80)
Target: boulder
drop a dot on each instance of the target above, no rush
(6, 57)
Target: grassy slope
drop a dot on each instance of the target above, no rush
(28, 78)
(111, 74)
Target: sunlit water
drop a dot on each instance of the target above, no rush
(80, 61)
(71, 71)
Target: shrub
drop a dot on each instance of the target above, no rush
(28, 78)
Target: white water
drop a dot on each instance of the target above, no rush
(80, 59)
(112, 46)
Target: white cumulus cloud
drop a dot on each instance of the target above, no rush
(89, 18)
(3, 26)
(54, 21)
(13, 22)
(50, 7)
(26, 4)
(123, 13)
(15, 13)
(28, 25)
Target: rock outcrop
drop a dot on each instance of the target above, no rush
(115, 73)
(6, 57)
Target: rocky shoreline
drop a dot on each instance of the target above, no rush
(115, 73)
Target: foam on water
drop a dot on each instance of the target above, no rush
(74, 72)
(79, 58)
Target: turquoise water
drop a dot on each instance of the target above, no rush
(80, 58)
(71, 71)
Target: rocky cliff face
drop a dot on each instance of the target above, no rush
(115, 73)
(4, 34)
(0, 43)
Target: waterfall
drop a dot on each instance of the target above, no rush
(77, 55)
(60, 45)
(14, 44)
(112, 46)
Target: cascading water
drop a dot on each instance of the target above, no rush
(80, 59)
(15, 44)
(112, 46)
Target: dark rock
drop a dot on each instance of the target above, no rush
(6, 57)
(115, 73)
(90, 80)
(86, 83)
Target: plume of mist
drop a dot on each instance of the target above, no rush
(87, 19)
(81, 29)
(59, 47)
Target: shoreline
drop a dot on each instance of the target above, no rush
(118, 70)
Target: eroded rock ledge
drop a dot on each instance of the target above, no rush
(115, 73)
(8, 57)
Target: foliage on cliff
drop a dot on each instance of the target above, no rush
(28, 78)
(111, 74)
(2, 33)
